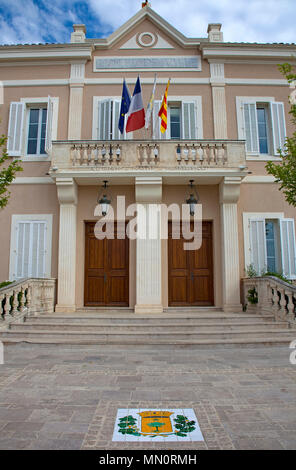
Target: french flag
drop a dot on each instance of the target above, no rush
(136, 112)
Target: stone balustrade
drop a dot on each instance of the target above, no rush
(26, 297)
(99, 155)
(270, 294)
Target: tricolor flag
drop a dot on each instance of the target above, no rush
(150, 105)
(136, 113)
(163, 112)
(125, 104)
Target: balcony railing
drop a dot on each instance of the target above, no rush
(222, 154)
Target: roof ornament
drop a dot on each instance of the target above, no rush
(146, 4)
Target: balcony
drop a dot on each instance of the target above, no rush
(85, 158)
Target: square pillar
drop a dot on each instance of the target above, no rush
(148, 245)
(67, 195)
(229, 195)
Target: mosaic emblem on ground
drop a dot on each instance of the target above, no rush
(150, 425)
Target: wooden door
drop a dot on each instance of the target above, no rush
(106, 270)
(191, 271)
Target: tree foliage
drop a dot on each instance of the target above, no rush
(7, 173)
(285, 171)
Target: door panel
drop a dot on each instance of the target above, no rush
(191, 271)
(106, 270)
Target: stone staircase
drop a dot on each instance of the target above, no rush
(179, 328)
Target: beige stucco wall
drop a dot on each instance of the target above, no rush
(29, 199)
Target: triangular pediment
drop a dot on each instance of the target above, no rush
(163, 36)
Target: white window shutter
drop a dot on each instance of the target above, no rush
(156, 121)
(288, 249)
(258, 245)
(278, 126)
(251, 127)
(48, 134)
(116, 134)
(30, 249)
(189, 121)
(15, 128)
(104, 119)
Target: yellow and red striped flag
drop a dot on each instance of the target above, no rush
(163, 112)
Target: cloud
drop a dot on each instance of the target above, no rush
(41, 21)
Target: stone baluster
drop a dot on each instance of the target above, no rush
(201, 154)
(290, 305)
(92, 155)
(110, 155)
(193, 154)
(220, 155)
(7, 305)
(73, 155)
(211, 154)
(22, 300)
(186, 154)
(103, 154)
(1, 308)
(29, 299)
(156, 154)
(85, 156)
(118, 154)
(144, 155)
(205, 154)
(14, 302)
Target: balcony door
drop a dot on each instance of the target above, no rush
(106, 270)
(191, 272)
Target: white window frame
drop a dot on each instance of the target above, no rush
(240, 100)
(41, 102)
(96, 100)
(16, 218)
(199, 114)
(247, 216)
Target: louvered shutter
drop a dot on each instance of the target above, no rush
(189, 121)
(116, 134)
(251, 127)
(104, 119)
(48, 134)
(156, 134)
(288, 250)
(15, 129)
(278, 126)
(258, 245)
(30, 249)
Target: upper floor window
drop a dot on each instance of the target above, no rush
(261, 123)
(105, 119)
(184, 119)
(37, 131)
(32, 127)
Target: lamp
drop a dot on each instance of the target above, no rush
(192, 201)
(104, 201)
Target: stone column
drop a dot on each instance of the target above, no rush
(148, 248)
(219, 101)
(67, 195)
(76, 100)
(229, 195)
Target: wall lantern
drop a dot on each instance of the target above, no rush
(104, 201)
(192, 200)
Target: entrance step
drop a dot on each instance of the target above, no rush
(177, 329)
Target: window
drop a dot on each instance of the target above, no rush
(270, 244)
(30, 254)
(261, 123)
(175, 121)
(32, 127)
(262, 129)
(37, 131)
(184, 119)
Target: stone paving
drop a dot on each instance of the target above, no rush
(66, 397)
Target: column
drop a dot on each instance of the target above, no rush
(229, 195)
(76, 100)
(219, 100)
(148, 248)
(67, 195)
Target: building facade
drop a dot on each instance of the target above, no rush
(228, 114)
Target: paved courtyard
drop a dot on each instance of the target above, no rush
(66, 397)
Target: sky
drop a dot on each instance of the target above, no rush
(41, 21)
